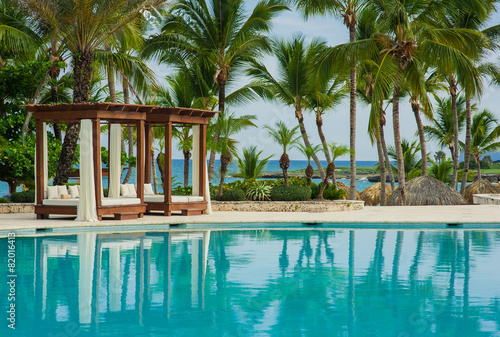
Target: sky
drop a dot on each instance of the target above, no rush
(336, 123)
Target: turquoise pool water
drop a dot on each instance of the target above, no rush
(312, 282)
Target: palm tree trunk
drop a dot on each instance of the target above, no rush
(397, 136)
(423, 147)
(468, 117)
(54, 92)
(153, 165)
(478, 164)
(187, 155)
(225, 159)
(456, 150)
(221, 81)
(82, 75)
(300, 118)
(319, 124)
(387, 159)
(111, 79)
(285, 164)
(381, 165)
(352, 38)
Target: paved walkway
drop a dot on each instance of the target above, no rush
(390, 216)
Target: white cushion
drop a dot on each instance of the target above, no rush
(60, 202)
(148, 189)
(131, 191)
(124, 191)
(120, 201)
(194, 198)
(45, 195)
(154, 198)
(52, 192)
(73, 191)
(61, 190)
(175, 198)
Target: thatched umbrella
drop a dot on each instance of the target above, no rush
(371, 194)
(481, 186)
(341, 186)
(426, 190)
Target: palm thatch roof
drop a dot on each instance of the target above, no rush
(341, 186)
(481, 186)
(426, 190)
(371, 194)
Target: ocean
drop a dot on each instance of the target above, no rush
(273, 165)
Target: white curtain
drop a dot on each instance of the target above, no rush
(86, 251)
(87, 210)
(115, 166)
(207, 191)
(195, 172)
(45, 158)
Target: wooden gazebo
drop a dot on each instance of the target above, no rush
(97, 113)
(167, 117)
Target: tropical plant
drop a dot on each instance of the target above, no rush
(291, 193)
(259, 190)
(232, 195)
(348, 10)
(286, 138)
(251, 166)
(227, 126)
(220, 33)
(295, 78)
(441, 129)
(83, 26)
(309, 151)
(337, 151)
(485, 132)
(442, 170)
(412, 164)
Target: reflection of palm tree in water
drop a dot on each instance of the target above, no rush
(283, 259)
(306, 249)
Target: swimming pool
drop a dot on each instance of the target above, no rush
(280, 282)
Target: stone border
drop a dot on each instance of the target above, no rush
(486, 199)
(8, 208)
(287, 206)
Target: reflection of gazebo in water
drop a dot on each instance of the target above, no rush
(89, 204)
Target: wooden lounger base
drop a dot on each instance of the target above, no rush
(119, 212)
(186, 208)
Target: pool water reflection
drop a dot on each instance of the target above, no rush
(258, 283)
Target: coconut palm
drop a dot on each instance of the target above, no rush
(220, 33)
(83, 26)
(348, 10)
(295, 80)
(337, 151)
(286, 138)
(412, 163)
(226, 127)
(442, 170)
(442, 129)
(485, 132)
(309, 152)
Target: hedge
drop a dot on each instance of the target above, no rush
(290, 193)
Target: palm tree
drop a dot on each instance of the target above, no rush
(442, 130)
(285, 137)
(442, 170)
(250, 167)
(83, 26)
(485, 132)
(185, 144)
(220, 33)
(227, 126)
(309, 152)
(411, 162)
(295, 79)
(348, 10)
(337, 151)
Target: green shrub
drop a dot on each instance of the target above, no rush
(179, 190)
(4, 201)
(291, 193)
(23, 197)
(233, 195)
(258, 190)
(332, 193)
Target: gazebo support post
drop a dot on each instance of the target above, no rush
(39, 166)
(203, 160)
(148, 144)
(140, 163)
(167, 180)
(96, 144)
